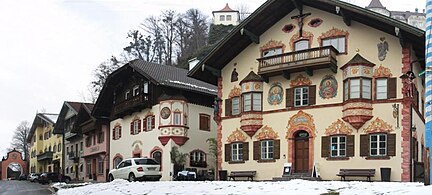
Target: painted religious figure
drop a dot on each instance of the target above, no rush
(234, 75)
(383, 48)
(328, 87)
(275, 94)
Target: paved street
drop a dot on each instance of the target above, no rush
(15, 187)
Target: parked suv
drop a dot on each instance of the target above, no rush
(134, 169)
(46, 178)
(33, 177)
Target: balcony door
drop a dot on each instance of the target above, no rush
(299, 46)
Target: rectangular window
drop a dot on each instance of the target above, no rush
(338, 43)
(88, 169)
(346, 90)
(301, 96)
(135, 90)
(136, 127)
(127, 94)
(100, 166)
(381, 89)
(354, 88)
(237, 151)
(88, 140)
(338, 146)
(378, 145)
(247, 102)
(177, 118)
(228, 17)
(267, 149)
(256, 97)
(149, 123)
(366, 88)
(204, 121)
(116, 132)
(222, 18)
(235, 108)
(271, 52)
(145, 87)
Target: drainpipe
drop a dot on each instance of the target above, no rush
(63, 151)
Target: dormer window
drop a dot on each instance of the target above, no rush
(135, 90)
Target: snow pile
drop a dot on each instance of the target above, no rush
(63, 185)
(267, 188)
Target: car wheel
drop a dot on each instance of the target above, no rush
(131, 177)
(110, 178)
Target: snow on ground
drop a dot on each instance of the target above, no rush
(303, 187)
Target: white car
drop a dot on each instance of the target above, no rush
(33, 177)
(134, 169)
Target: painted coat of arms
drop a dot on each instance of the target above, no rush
(275, 94)
(328, 87)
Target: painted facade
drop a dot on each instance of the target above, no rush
(45, 147)
(156, 112)
(324, 120)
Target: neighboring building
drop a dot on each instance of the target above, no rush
(321, 83)
(96, 144)
(153, 108)
(226, 16)
(12, 166)
(45, 147)
(73, 140)
(412, 18)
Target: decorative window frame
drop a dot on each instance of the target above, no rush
(335, 33)
(136, 122)
(379, 126)
(315, 25)
(157, 149)
(381, 73)
(272, 44)
(117, 131)
(296, 37)
(197, 153)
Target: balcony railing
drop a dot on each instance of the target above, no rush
(314, 58)
(138, 101)
(48, 155)
(73, 156)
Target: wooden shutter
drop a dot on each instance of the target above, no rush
(139, 126)
(289, 97)
(145, 124)
(245, 151)
(364, 145)
(312, 95)
(153, 122)
(276, 149)
(228, 107)
(201, 122)
(325, 146)
(391, 144)
(350, 146)
(120, 133)
(113, 134)
(391, 88)
(132, 128)
(227, 152)
(256, 150)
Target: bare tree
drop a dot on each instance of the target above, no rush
(19, 139)
(244, 11)
(102, 72)
(152, 27)
(168, 19)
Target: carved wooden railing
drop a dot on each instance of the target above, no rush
(131, 103)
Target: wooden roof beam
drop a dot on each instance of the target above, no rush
(346, 17)
(254, 38)
(298, 4)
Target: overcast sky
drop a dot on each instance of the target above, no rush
(48, 49)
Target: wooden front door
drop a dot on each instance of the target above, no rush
(301, 152)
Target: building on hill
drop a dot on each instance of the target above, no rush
(153, 108)
(73, 162)
(319, 85)
(226, 16)
(45, 147)
(417, 19)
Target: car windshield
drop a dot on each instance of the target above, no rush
(145, 162)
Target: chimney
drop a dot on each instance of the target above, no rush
(192, 63)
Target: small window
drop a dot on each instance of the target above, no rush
(301, 96)
(381, 89)
(145, 87)
(67, 150)
(204, 122)
(55, 148)
(378, 145)
(252, 102)
(136, 127)
(117, 132)
(235, 106)
(67, 170)
(100, 166)
(338, 146)
(301, 45)
(354, 88)
(338, 43)
(88, 140)
(88, 168)
(127, 94)
(256, 98)
(135, 90)
(222, 18)
(81, 168)
(149, 122)
(81, 146)
(228, 17)
(59, 147)
(247, 102)
(237, 151)
(357, 88)
(366, 88)
(198, 159)
(266, 149)
(177, 118)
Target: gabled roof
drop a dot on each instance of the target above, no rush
(84, 115)
(375, 4)
(67, 105)
(273, 11)
(40, 118)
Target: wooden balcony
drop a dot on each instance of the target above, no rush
(131, 105)
(305, 60)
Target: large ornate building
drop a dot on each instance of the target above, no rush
(318, 86)
(152, 108)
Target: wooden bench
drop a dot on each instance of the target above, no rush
(356, 173)
(247, 174)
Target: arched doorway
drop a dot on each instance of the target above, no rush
(301, 151)
(157, 155)
(14, 170)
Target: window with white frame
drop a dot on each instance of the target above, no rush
(228, 17)
(127, 94)
(148, 124)
(247, 102)
(237, 151)
(301, 96)
(117, 132)
(256, 100)
(198, 159)
(356, 88)
(177, 118)
(338, 43)
(381, 89)
(252, 102)
(222, 18)
(100, 166)
(136, 127)
(366, 88)
(272, 52)
(378, 144)
(235, 108)
(145, 87)
(346, 91)
(135, 90)
(267, 149)
(338, 146)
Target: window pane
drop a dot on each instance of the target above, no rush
(382, 152)
(381, 89)
(373, 152)
(247, 102)
(256, 101)
(355, 88)
(382, 138)
(366, 88)
(373, 138)
(235, 106)
(346, 90)
(301, 45)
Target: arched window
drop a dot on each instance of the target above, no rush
(198, 159)
(157, 155)
(117, 161)
(59, 147)
(55, 148)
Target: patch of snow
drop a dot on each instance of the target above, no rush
(192, 85)
(240, 187)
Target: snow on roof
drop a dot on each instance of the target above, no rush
(51, 117)
(191, 85)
